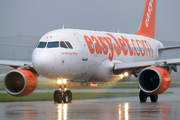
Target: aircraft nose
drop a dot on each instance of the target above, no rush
(43, 63)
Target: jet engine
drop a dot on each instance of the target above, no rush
(20, 82)
(154, 80)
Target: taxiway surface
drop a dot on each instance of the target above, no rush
(126, 108)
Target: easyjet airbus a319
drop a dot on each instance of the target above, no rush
(71, 55)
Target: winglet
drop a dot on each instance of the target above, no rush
(147, 27)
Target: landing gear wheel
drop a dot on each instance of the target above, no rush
(154, 98)
(67, 97)
(57, 96)
(142, 96)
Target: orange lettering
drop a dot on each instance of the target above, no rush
(140, 47)
(97, 45)
(138, 54)
(89, 43)
(102, 41)
(109, 42)
(123, 46)
(117, 48)
(147, 46)
(127, 42)
(101, 45)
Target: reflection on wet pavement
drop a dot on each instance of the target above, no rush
(147, 111)
(89, 111)
(62, 111)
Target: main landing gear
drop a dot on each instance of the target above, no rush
(62, 94)
(143, 97)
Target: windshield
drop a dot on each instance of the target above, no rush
(42, 45)
(53, 44)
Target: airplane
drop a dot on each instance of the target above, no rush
(72, 55)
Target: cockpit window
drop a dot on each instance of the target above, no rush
(42, 45)
(69, 45)
(53, 44)
(63, 45)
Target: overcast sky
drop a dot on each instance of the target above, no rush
(37, 17)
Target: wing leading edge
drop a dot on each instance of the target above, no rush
(136, 67)
(169, 48)
(15, 64)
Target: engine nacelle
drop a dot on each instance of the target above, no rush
(20, 82)
(154, 80)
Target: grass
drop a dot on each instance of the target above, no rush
(175, 85)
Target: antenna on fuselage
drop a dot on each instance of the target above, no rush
(63, 26)
(118, 30)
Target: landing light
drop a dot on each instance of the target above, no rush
(121, 76)
(64, 81)
(59, 82)
(126, 74)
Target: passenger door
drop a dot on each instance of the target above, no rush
(83, 46)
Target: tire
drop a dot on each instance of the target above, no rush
(154, 98)
(142, 96)
(67, 97)
(70, 96)
(57, 96)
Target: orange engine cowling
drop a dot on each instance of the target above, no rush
(20, 82)
(154, 80)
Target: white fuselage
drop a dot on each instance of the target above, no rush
(92, 55)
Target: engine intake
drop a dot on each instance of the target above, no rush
(20, 82)
(154, 80)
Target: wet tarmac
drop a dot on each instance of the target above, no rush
(126, 108)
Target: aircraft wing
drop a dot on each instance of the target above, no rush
(136, 67)
(15, 64)
(169, 48)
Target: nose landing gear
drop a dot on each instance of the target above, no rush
(62, 94)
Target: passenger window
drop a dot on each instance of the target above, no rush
(42, 45)
(53, 44)
(63, 45)
(69, 45)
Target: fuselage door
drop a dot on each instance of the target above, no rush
(83, 46)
